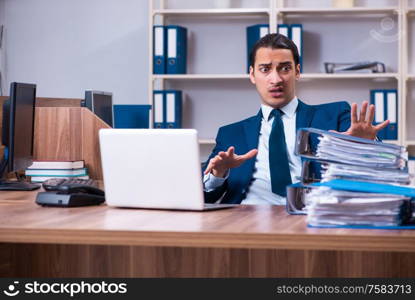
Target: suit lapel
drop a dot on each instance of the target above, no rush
(251, 129)
(305, 114)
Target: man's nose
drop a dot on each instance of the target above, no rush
(274, 77)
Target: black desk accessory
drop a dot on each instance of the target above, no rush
(68, 200)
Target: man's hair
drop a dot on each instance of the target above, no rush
(274, 41)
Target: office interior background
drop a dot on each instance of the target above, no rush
(67, 47)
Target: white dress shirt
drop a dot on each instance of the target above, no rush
(259, 192)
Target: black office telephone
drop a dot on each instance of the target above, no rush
(70, 193)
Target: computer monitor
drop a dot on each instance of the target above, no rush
(17, 134)
(100, 103)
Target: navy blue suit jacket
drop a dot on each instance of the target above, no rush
(244, 136)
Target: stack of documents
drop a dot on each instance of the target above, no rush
(381, 175)
(350, 159)
(360, 152)
(329, 207)
(362, 181)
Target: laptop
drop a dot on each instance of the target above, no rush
(153, 168)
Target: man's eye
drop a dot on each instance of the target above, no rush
(286, 68)
(264, 69)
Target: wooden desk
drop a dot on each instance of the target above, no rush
(248, 241)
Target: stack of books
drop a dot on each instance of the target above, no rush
(40, 171)
(355, 187)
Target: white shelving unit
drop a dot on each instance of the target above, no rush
(201, 76)
(338, 11)
(207, 141)
(303, 76)
(397, 76)
(198, 12)
(408, 87)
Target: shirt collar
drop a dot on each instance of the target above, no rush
(288, 110)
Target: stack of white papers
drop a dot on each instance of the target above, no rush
(335, 149)
(362, 181)
(329, 207)
(380, 175)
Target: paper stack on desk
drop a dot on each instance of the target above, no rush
(356, 173)
(353, 160)
(334, 171)
(349, 150)
(348, 157)
(330, 207)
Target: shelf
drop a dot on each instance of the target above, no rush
(207, 142)
(224, 12)
(316, 76)
(330, 10)
(349, 76)
(287, 10)
(303, 76)
(201, 76)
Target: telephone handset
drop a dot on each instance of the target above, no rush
(79, 188)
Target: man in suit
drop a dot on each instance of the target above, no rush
(254, 159)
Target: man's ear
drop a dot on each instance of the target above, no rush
(251, 74)
(297, 71)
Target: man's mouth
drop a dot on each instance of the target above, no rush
(276, 92)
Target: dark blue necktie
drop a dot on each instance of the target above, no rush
(278, 157)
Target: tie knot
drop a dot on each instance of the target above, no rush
(277, 113)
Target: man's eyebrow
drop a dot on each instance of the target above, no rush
(265, 64)
(285, 63)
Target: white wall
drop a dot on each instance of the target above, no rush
(68, 46)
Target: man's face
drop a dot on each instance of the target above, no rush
(275, 76)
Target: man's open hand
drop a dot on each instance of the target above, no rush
(361, 125)
(224, 161)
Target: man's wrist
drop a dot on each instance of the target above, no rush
(220, 174)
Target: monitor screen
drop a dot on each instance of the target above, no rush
(19, 130)
(18, 134)
(101, 104)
